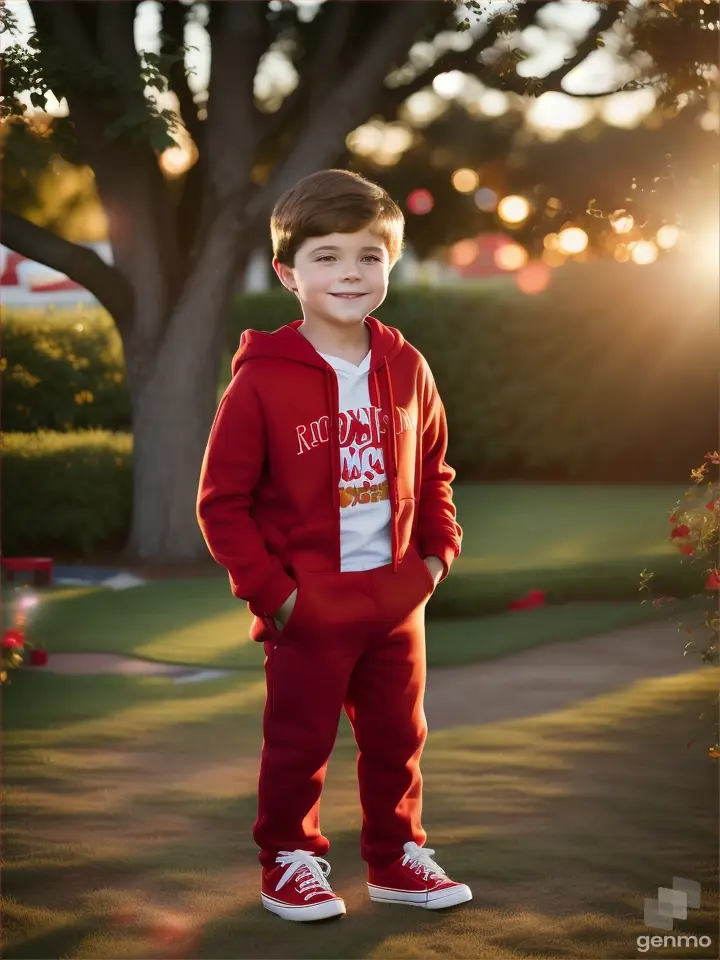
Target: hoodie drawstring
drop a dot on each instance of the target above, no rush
(391, 473)
(334, 445)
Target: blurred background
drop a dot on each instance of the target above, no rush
(557, 166)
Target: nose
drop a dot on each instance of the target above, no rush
(351, 272)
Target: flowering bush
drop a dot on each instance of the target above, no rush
(695, 533)
(14, 643)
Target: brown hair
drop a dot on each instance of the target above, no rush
(334, 201)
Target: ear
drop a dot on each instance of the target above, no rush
(286, 275)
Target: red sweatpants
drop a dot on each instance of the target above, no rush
(353, 640)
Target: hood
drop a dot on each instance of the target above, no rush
(287, 343)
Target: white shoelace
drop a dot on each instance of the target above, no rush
(311, 873)
(416, 856)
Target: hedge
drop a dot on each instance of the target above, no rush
(608, 376)
(64, 371)
(66, 492)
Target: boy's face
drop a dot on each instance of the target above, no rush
(340, 278)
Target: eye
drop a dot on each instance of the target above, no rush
(325, 257)
(373, 258)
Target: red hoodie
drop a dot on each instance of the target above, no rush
(265, 515)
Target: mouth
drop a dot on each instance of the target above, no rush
(348, 296)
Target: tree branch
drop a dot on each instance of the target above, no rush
(344, 107)
(174, 15)
(464, 60)
(131, 187)
(238, 33)
(553, 81)
(337, 19)
(81, 264)
(327, 35)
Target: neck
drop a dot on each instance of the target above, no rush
(327, 339)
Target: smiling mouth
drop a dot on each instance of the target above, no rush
(348, 296)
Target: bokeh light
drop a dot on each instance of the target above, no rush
(551, 241)
(463, 253)
(553, 257)
(710, 121)
(486, 199)
(176, 160)
(621, 253)
(667, 236)
(533, 278)
(465, 180)
(511, 256)
(513, 209)
(572, 240)
(420, 202)
(494, 103)
(643, 252)
(449, 85)
(621, 221)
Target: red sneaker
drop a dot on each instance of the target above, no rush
(297, 889)
(417, 881)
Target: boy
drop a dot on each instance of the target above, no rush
(325, 493)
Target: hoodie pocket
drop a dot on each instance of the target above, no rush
(292, 621)
(428, 579)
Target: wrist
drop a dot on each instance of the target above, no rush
(435, 565)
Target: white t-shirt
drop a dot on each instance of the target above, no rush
(365, 509)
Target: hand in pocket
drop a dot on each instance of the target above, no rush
(284, 613)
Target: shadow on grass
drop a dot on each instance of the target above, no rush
(561, 823)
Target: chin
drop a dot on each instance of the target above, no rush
(348, 316)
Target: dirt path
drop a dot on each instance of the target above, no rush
(553, 676)
(533, 681)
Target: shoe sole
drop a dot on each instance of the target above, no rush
(459, 894)
(317, 911)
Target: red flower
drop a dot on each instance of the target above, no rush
(532, 599)
(687, 549)
(13, 639)
(713, 581)
(712, 504)
(681, 531)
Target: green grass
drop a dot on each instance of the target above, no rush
(514, 527)
(129, 805)
(583, 545)
(199, 622)
(578, 543)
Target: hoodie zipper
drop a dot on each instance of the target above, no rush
(391, 474)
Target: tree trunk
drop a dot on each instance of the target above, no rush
(174, 399)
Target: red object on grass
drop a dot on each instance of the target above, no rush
(42, 568)
(38, 658)
(713, 581)
(532, 599)
(13, 639)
